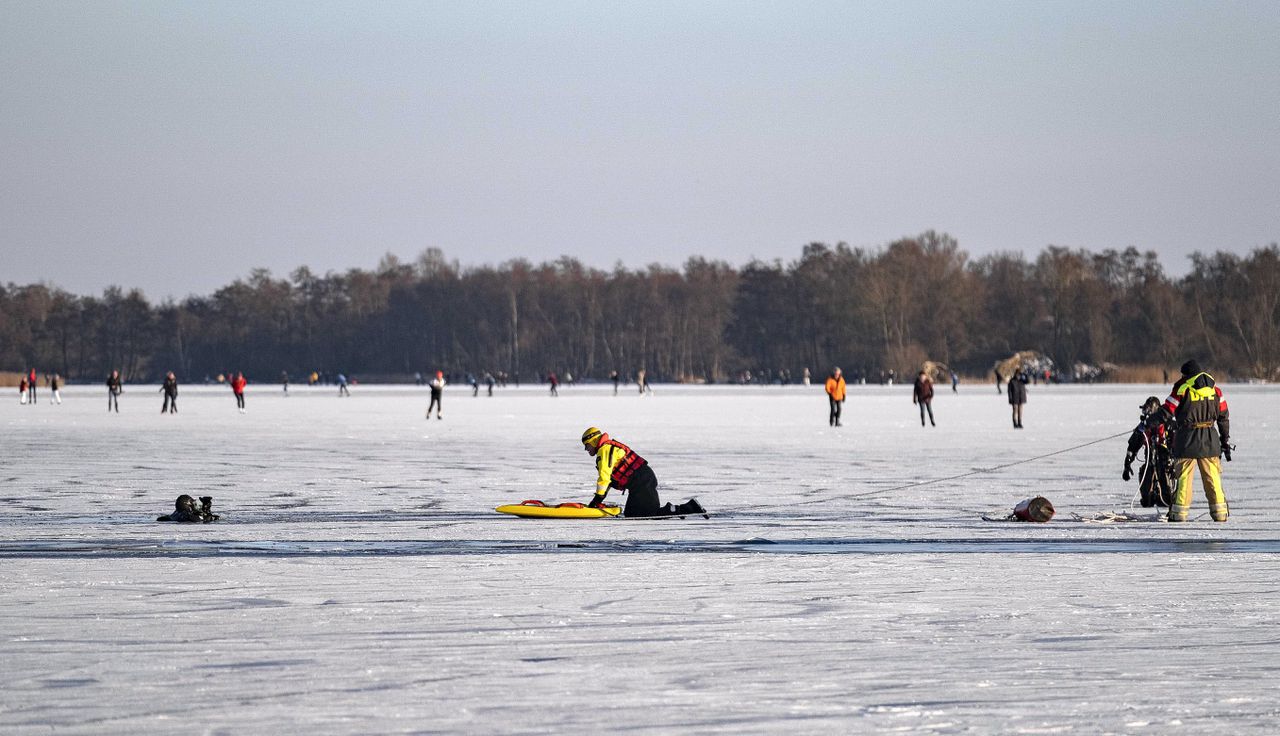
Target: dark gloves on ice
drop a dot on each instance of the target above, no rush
(1128, 467)
(596, 501)
(1226, 451)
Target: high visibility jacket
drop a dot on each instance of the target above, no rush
(835, 387)
(615, 465)
(1200, 418)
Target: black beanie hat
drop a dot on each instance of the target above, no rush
(1190, 368)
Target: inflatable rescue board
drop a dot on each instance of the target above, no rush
(540, 510)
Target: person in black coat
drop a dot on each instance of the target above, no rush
(114, 389)
(1017, 396)
(170, 389)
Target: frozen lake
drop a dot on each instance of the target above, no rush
(360, 581)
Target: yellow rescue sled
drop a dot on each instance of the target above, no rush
(539, 510)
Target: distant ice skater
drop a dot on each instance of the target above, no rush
(237, 387)
(170, 390)
(437, 395)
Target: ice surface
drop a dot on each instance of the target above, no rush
(360, 581)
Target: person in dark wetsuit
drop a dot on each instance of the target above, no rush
(1157, 462)
(618, 466)
(170, 389)
(186, 511)
(114, 389)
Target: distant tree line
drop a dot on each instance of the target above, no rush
(866, 310)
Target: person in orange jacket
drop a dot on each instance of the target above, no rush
(835, 395)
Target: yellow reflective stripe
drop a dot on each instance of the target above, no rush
(1195, 394)
(604, 467)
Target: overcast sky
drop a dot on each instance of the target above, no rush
(174, 146)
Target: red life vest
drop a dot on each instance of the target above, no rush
(623, 471)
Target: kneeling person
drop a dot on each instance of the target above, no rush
(618, 466)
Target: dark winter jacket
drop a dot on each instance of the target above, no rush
(1017, 389)
(923, 391)
(1200, 419)
(170, 387)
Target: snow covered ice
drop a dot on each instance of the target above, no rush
(360, 582)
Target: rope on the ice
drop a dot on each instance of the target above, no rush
(991, 469)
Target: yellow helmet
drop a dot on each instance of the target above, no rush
(591, 436)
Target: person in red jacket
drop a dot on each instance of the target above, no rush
(237, 387)
(922, 395)
(31, 387)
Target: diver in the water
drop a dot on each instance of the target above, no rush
(186, 511)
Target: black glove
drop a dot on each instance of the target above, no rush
(596, 501)
(1128, 468)
(1226, 451)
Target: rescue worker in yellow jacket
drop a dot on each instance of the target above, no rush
(1202, 431)
(618, 466)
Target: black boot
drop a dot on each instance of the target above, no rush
(691, 507)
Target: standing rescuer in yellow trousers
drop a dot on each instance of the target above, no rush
(1201, 434)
